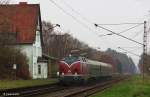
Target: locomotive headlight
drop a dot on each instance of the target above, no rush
(57, 73)
(75, 73)
(62, 73)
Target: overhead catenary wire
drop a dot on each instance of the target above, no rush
(87, 20)
(73, 17)
(138, 33)
(125, 52)
(84, 25)
(135, 49)
(129, 52)
(121, 24)
(87, 27)
(122, 31)
(130, 47)
(130, 28)
(77, 12)
(96, 25)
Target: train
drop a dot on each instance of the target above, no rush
(79, 69)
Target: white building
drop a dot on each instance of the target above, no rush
(24, 20)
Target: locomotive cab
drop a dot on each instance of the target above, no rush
(70, 69)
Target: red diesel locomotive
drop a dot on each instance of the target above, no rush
(80, 69)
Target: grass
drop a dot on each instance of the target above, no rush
(7, 84)
(134, 87)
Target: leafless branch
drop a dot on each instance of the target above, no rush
(5, 1)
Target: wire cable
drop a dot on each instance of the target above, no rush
(121, 31)
(138, 33)
(121, 24)
(96, 25)
(133, 50)
(87, 27)
(131, 47)
(129, 52)
(130, 28)
(77, 12)
(73, 17)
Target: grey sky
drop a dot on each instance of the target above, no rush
(99, 11)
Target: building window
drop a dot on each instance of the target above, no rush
(37, 36)
(39, 69)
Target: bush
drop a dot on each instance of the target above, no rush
(10, 56)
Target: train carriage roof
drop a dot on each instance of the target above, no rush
(93, 62)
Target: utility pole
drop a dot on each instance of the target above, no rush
(144, 50)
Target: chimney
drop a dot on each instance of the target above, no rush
(22, 3)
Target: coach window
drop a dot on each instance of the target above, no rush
(85, 59)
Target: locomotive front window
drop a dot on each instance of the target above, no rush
(70, 59)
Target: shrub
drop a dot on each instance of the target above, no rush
(10, 56)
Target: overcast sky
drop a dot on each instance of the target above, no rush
(86, 12)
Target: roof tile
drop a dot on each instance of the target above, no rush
(20, 19)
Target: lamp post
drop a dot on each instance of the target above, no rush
(48, 35)
(55, 25)
(98, 48)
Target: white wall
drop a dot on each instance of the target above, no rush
(37, 52)
(44, 71)
(33, 51)
(37, 49)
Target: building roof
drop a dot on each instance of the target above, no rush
(49, 57)
(20, 19)
(42, 59)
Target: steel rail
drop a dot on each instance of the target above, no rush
(94, 89)
(30, 91)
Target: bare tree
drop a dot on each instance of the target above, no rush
(9, 55)
(47, 30)
(5, 1)
(146, 66)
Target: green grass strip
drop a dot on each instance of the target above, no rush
(7, 84)
(134, 87)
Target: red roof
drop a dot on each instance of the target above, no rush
(20, 19)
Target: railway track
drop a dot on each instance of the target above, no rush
(31, 91)
(87, 91)
(56, 90)
(83, 91)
